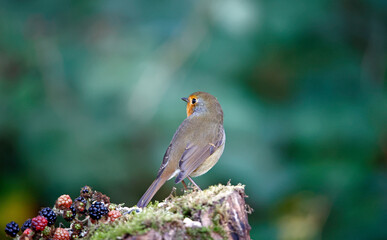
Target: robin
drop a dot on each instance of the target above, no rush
(196, 146)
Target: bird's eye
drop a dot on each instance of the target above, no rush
(193, 100)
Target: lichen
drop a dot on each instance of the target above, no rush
(170, 214)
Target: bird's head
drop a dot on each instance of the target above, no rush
(202, 102)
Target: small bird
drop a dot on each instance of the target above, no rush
(196, 146)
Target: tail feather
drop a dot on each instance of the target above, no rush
(148, 195)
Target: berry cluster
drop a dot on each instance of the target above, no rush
(49, 214)
(91, 207)
(39, 223)
(12, 229)
(97, 210)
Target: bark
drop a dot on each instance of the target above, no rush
(225, 218)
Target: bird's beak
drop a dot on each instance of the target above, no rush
(184, 99)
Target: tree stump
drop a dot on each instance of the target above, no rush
(219, 212)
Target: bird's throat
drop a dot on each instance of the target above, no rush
(190, 109)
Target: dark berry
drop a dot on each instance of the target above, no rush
(80, 204)
(39, 223)
(80, 199)
(69, 214)
(11, 229)
(97, 210)
(49, 214)
(26, 224)
(86, 192)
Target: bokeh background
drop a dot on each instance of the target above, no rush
(90, 95)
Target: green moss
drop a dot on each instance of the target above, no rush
(217, 226)
(170, 214)
(199, 233)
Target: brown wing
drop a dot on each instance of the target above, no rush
(195, 155)
(165, 161)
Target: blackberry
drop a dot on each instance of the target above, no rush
(61, 234)
(80, 204)
(63, 202)
(86, 192)
(46, 231)
(97, 210)
(26, 224)
(114, 214)
(69, 214)
(80, 199)
(49, 214)
(98, 196)
(28, 231)
(39, 223)
(11, 229)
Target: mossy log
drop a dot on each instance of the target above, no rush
(219, 212)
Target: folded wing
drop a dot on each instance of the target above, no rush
(195, 155)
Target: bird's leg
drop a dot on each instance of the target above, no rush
(185, 185)
(192, 181)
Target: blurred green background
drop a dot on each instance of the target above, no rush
(90, 95)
